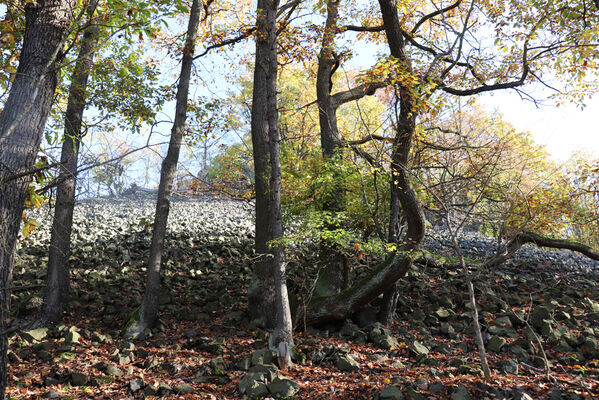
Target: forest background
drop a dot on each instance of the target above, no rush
(355, 154)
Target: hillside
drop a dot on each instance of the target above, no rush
(540, 306)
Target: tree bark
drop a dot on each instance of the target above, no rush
(283, 333)
(338, 307)
(57, 279)
(261, 294)
(149, 309)
(22, 124)
(332, 276)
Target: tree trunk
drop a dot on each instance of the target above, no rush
(22, 124)
(261, 294)
(57, 279)
(332, 278)
(391, 295)
(149, 309)
(283, 333)
(338, 307)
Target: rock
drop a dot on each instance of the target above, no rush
(35, 335)
(503, 322)
(218, 366)
(50, 380)
(348, 330)
(347, 363)
(562, 346)
(508, 367)
(109, 369)
(390, 393)
(72, 336)
(216, 346)
(590, 346)
(52, 395)
(252, 385)
(436, 387)
(79, 379)
(460, 393)
(412, 394)
(283, 387)
(245, 364)
(387, 342)
(136, 385)
(418, 350)
(183, 388)
(518, 394)
(442, 313)
(261, 357)
(496, 343)
(267, 370)
(538, 316)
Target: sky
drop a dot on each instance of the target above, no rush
(563, 130)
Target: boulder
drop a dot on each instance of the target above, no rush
(282, 386)
(252, 385)
(418, 350)
(347, 363)
(496, 343)
(390, 393)
(460, 393)
(261, 357)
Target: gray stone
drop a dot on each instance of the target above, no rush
(418, 350)
(436, 387)
(347, 363)
(72, 336)
(52, 395)
(503, 321)
(508, 367)
(136, 385)
(244, 364)
(260, 357)
(442, 313)
(79, 379)
(390, 393)
(496, 343)
(183, 388)
(539, 315)
(216, 346)
(218, 366)
(283, 386)
(36, 335)
(460, 393)
(267, 370)
(387, 342)
(252, 385)
(413, 394)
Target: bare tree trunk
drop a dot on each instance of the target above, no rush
(261, 294)
(283, 333)
(149, 309)
(22, 124)
(57, 279)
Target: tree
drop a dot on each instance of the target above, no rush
(261, 295)
(21, 127)
(422, 65)
(149, 308)
(57, 278)
(282, 337)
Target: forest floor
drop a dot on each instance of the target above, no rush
(532, 311)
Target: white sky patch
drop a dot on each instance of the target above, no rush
(563, 130)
